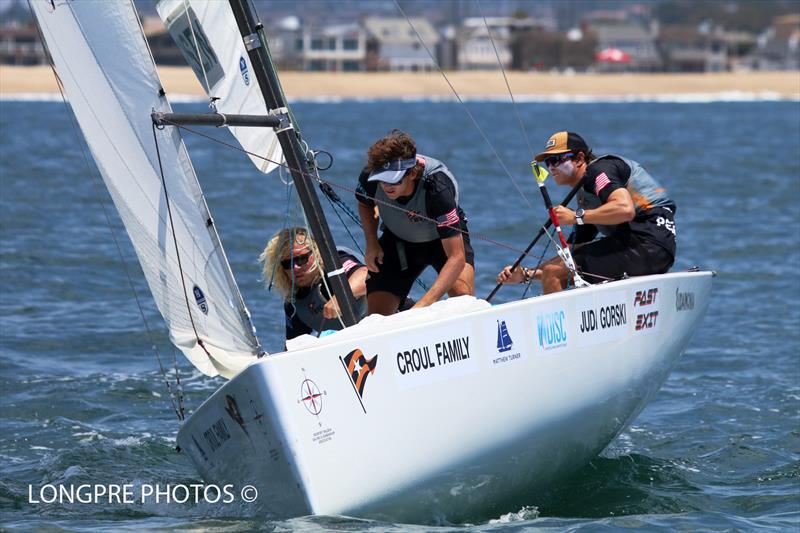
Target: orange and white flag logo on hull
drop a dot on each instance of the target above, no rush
(359, 368)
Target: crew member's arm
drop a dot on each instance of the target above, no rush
(454, 249)
(606, 179)
(365, 192)
(443, 208)
(357, 278)
(373, 256)
(618, 209)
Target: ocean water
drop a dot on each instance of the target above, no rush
(83, 400)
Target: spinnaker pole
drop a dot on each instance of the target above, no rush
(255, 42)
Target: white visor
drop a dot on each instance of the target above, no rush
(392, 171)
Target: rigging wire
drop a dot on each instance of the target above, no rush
(538, 265)
(351, 190)
(324, 280)
(211, 99)
(176, 398)
(286, 218)
(177, 249)
(505, 78)
(464, 106)
(311, 159)
(339, 186)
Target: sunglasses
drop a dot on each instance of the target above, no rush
(556, 160)
(298, 260)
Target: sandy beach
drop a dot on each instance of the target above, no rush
(298, 85)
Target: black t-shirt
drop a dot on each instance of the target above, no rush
(296, 327)
(656, 224)
(440, 200)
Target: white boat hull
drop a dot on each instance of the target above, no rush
(463, 436)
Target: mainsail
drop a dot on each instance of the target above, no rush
(110, 79)
(207, 34)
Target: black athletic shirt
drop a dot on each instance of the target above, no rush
(296, 327)
(655, 224)
(440, 201)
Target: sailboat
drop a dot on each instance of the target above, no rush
(504, 342)
(437, 413)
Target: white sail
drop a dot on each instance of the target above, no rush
(207, 34)
(109, 77)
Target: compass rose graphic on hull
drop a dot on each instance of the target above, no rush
(311, 397)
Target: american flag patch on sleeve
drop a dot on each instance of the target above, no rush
(448, 219)
(349, 265)
(601, 182)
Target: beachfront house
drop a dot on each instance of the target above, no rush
(480, 41)
(549, 50)
(20, 45)
(779, 46)
(334, 48)
(393, 45)
(692, 49)
(633, 38)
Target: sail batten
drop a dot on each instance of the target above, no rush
(110, 79)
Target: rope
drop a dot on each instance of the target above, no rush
(175, 399)
(324, 280)
(538, 265)
(293, 238)
(342, 187)
(358, 194)
(469, 114)
(177, 249)
(197, 51)
(285, 225)
(505, 78)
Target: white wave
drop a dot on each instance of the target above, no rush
(564, 98)
(30, 97)
(556, 98)
(528, 512)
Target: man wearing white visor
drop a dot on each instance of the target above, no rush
(422, 223)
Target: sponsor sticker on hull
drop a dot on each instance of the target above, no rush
(312, 398)
(684, 300)
(216, 435)
(438, 356)
(603, 319)
(645, 308)
(551, 328)
(358, 368)
(505, 349)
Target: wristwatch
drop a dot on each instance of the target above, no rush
(579, 216)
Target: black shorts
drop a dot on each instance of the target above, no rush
(613, 257)
(404, 261)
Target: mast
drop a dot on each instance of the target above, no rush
(256, 44)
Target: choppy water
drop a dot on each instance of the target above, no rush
(718, 448)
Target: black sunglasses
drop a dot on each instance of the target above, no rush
(298, 260)
(555, 160)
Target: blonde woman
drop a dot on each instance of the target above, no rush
(292, 265)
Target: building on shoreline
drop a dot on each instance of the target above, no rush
(20, 45)
(560, 37)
